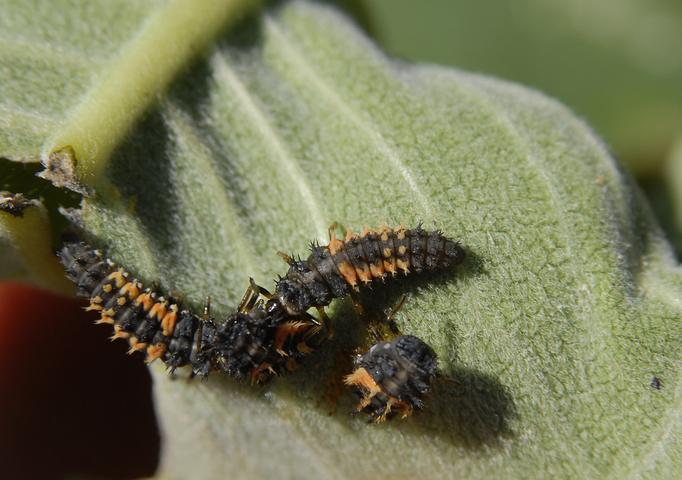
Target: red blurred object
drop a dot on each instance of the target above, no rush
(71, 401)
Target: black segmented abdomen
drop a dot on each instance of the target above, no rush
(333, 271)
(148, 320)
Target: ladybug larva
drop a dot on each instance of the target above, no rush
(335, 270)
(252, 341)
(263, 343)
(394, 377)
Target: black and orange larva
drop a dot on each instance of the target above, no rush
(335, 270)
(253, 341)
(394, 377)
(262, 342)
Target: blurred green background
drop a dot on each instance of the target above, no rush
(616, 63)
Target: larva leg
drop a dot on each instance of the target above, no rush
(262, 290)
(245, 299)
(327, 323)
(286, 257)
(251, 297)
(389, 319)
(251, 302)
(373, 326)
(439, 376)
(357, 305)
(332, 229)
(314, 331)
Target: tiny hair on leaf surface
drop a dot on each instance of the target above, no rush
(566, 307)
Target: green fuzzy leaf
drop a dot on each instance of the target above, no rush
(617, 64)
(51, 53)
(566, 309)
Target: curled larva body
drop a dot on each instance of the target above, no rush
(394, 377)
(335, 270)
(251, 341)
(148, 320)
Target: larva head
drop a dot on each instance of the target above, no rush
(292, 292)
(454, 254)
(291, 296)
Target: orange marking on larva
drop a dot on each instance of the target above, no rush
(145, 300)
(155, 351)
(105, 319)
(348, 273)
(132, 289)
(158, 310)
(109, 313)
(119, 333)
(383, 231)
(349, 236)
(360, 377)
(136, 345)
(118, 277)
(96, 299)
(121, 301)
(107, 288)
(335, 246)
(364, 380)
(94, 306)
(286, 330)
(378, 272)
(364, 274)
(402, 249)
(403, 265)
(169, 320)
(390, 267)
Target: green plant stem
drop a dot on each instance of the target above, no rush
(142, 70)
